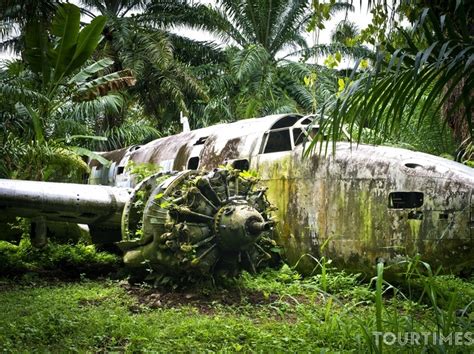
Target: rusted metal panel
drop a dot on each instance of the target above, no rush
(224, 142)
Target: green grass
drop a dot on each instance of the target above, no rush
(274, 311)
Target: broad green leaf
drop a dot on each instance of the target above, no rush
(65, 26)
(35, 118)
(36, 49)
(90, 70)
(91, 154)
(87, 42)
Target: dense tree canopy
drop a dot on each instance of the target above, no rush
(119, 73)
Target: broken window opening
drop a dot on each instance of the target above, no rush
(201, 140)
(242, 165)
(278, 141)
(134, 148)
(443, 216)
(299, 137)
(405, 200)
(413, 165)
(193, 163)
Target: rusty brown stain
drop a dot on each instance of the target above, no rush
(162, 149)
(210, 158)
(181, 159)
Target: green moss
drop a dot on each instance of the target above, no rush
(365, 208)
(415, 227)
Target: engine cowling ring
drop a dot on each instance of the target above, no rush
(205, 223)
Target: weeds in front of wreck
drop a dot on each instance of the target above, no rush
(447, 328)
(419, 311)
(276, 310)
(273, 311)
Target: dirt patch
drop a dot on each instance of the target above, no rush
(205, 302)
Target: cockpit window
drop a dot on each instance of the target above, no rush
(299, 136)
(287, 133)
(284, 122)
(278, 141)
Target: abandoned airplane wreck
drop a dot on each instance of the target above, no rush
(357, 206)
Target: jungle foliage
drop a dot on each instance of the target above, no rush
(420, 75)
(106, 74)
(103, 75)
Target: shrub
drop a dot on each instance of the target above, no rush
(68, 259)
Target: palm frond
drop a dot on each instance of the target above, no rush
(90, 70)
(321, 50)
(129, 133)
(195, 52)
(94, 108)
(421, 75)
(246, 62)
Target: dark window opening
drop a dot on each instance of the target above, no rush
(134, 148)
(443, 216)
(278, 141)
(193, 163)
(120, 170)
(284, 122)
(242, 165)
(298, 136)
(413, 165)
(405, 200)
(306, 121)
(201, 140)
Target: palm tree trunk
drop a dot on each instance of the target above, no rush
(455, 118)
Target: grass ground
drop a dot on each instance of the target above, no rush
(274, 311)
